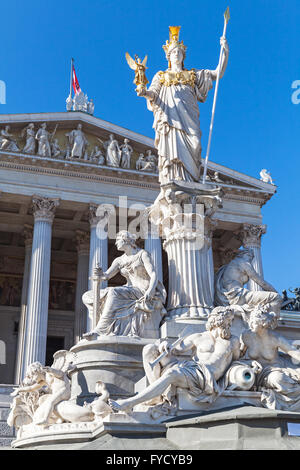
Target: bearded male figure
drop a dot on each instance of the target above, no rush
(212, 353)
(173, 97)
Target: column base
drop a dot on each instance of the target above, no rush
(189, 311)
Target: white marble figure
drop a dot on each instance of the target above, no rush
(44, 396)
(30, 144)
(279, 377)
(7, 141)
(141, 162)
(151, 162)
(231, 278)
(99, 406)
(97, 156)
(91, 107)
(126, 151)
(55, 148)
(77, 142)
(43, 138)
(80, 102)
(212, 353)
(265, 176)
(69, 103)
(173, 97)
(113, 152)
(124, 309)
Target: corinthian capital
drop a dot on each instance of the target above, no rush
(44, 208)
(250, 235)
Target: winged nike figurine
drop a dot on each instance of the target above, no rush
(139, 68)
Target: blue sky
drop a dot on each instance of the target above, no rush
(256, 124)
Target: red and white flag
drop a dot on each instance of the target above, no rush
(75, 82)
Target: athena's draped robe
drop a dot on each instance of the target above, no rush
(176, 122)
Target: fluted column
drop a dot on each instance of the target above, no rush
(185, 221)
(153, 246)
(28, 236)
(98, 248)
(38, 295)
(83, 251)
(251, 238)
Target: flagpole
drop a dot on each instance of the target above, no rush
(71, 77)
(226, 19)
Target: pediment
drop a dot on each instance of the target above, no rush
(97, 130)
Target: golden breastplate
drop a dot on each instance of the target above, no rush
(186, 77)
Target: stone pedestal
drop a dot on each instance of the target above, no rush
(116, 360)
(184, 213)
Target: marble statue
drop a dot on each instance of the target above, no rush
(212, 353)
(173, 96)
(151, 161)
(43, 137)
(113, 152)
(91, 107)
(77, 142)
(97, 156)
(54, 379)
(69, 103)
(124, 309)
(139, 68)
(266, 177)
(80, 102)
(55, 148)
(7, 141)
(231, 278)
(279, 376)
(30, 144)
(126, 151)
(141, 162)
(44, 396)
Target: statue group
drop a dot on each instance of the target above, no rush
(43, 143)
(202, 364)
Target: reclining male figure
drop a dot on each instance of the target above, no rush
(212, 353)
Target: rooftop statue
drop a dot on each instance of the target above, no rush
(80, 102)
(265, 176)
(124, 309)
(230, 281)
(173, 96)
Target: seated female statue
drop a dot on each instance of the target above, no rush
(124, 309)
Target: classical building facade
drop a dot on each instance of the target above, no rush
(56, 169)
